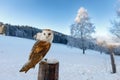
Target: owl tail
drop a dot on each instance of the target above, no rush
(26, 67)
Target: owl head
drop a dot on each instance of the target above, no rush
(46, 35)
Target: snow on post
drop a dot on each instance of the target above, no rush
(48, 69)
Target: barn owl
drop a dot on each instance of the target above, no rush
(39, 50)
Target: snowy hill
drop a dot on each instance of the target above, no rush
(74, 65)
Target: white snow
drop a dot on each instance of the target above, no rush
(50, 60)
(14, 53)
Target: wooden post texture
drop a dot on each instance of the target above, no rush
(48, 70)
(112, 59)
(113, 62)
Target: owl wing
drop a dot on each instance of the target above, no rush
(39, 49)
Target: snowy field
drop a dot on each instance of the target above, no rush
(74, 65)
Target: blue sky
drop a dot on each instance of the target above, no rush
(57, 14)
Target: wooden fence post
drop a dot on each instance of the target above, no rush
(48, 69)
(112, 59)
(113, 62)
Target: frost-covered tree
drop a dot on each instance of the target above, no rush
(115, 28)
(82, 27)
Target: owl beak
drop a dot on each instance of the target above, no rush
(47, 37)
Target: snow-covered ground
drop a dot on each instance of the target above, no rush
(74, 65)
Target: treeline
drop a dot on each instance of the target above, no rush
(88, 44)
(29, 32)
(20, 31)
(93, 45)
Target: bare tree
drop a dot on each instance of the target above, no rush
(115, 29)
(82, 27)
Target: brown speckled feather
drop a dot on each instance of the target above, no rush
(39, 50)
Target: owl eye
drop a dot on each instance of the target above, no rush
(49, 34)
(44, 33)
